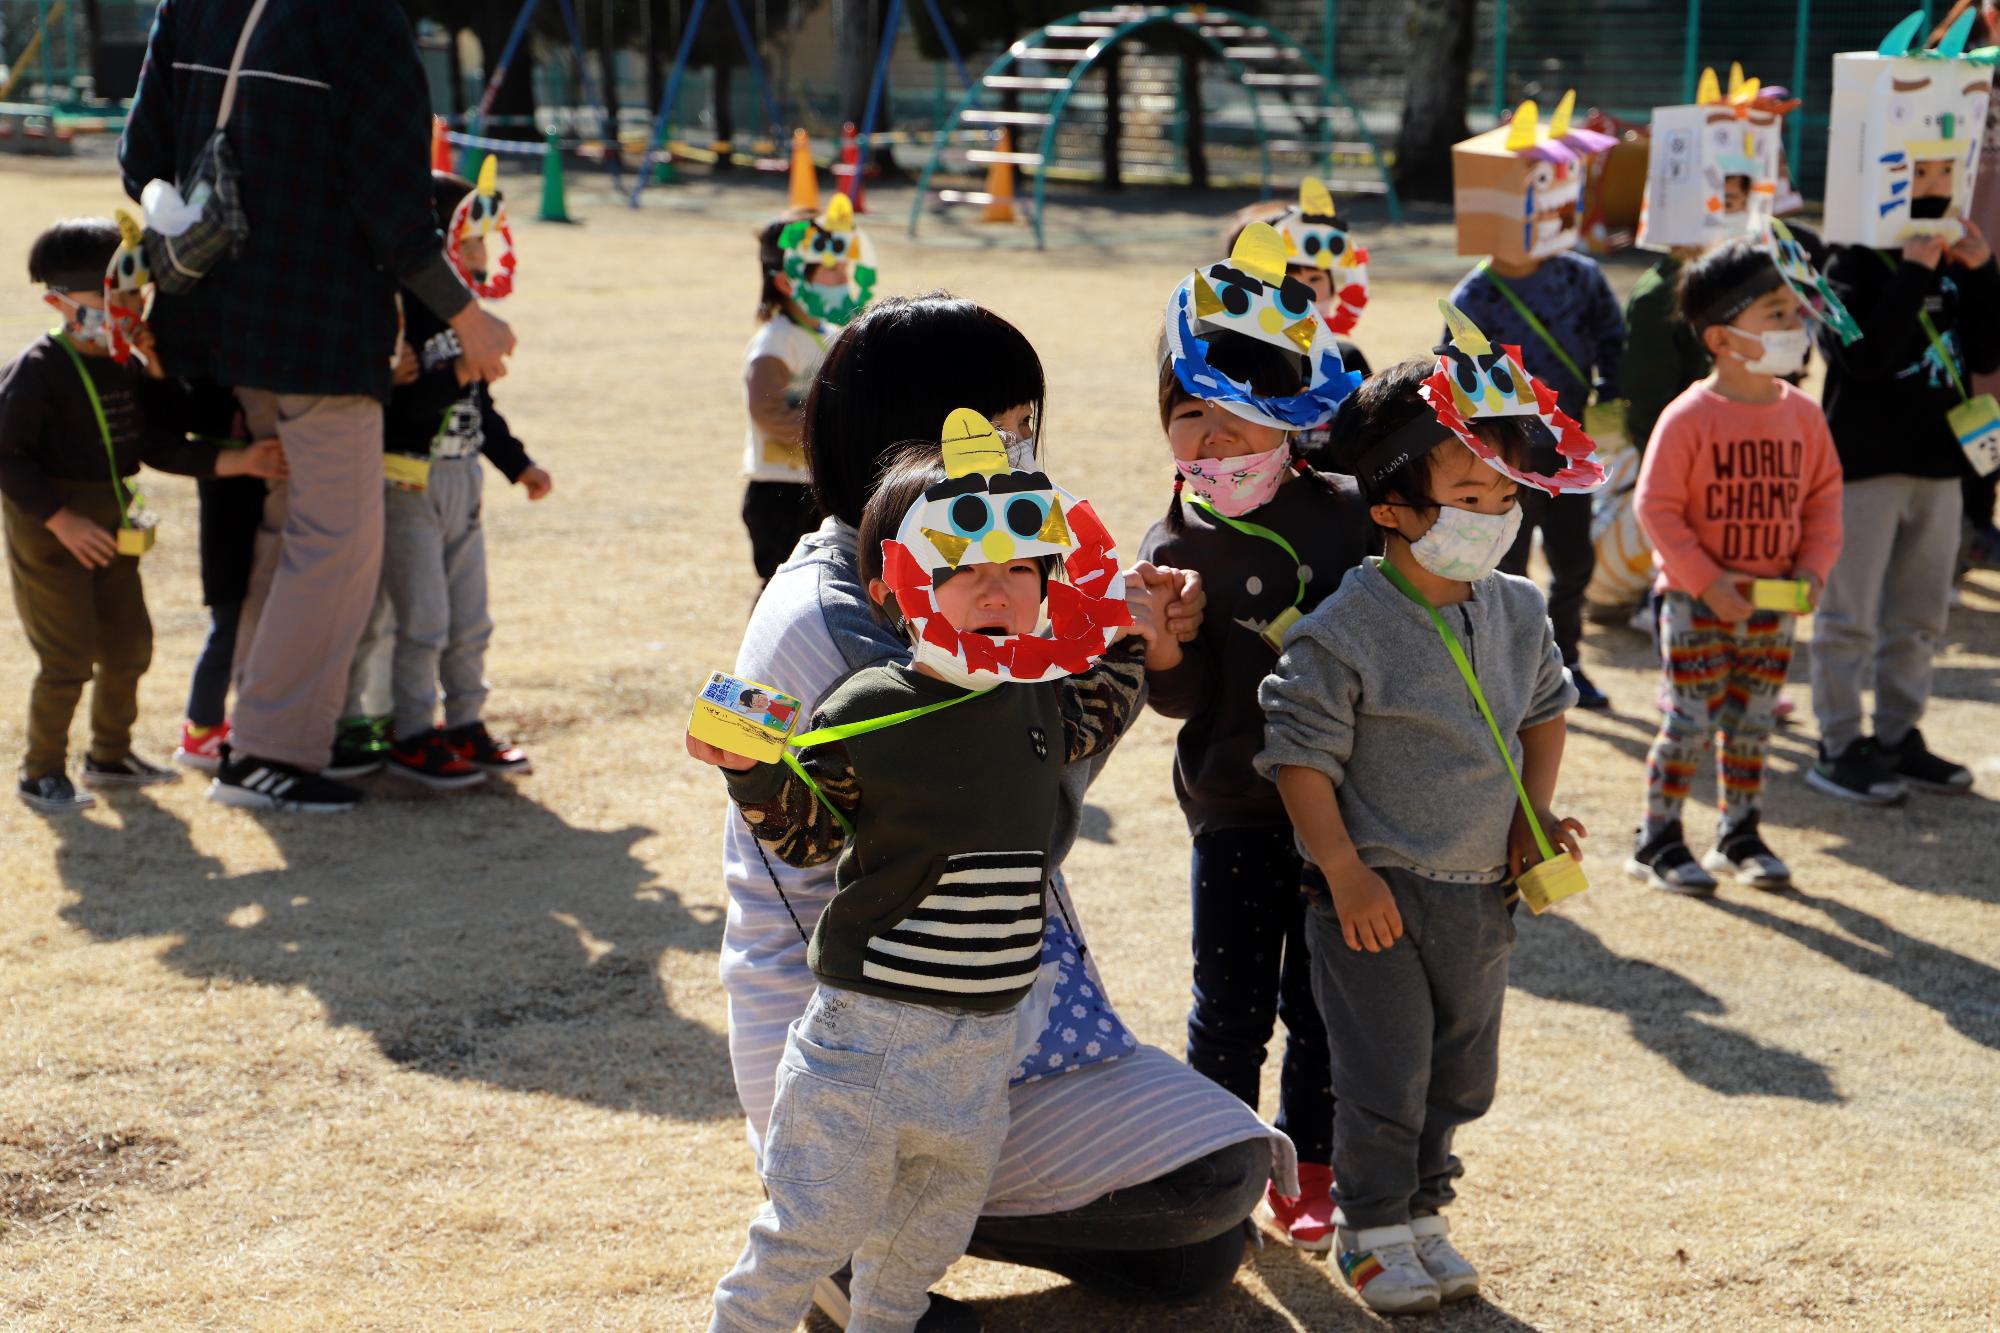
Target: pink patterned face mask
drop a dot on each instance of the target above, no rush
(1235, 486)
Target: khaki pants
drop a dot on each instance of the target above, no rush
(87, 627)
(319, 556)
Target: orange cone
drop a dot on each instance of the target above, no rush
(805, 176)
(1000, 184)
(850, 165)
(440, 146)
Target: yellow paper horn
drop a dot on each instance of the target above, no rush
(1465, 335)
(970, 445)
(1559, 123)
(1521, 130)
(1260, 252)
(839, 214)
(1735, 78)
(489, 175)
(128, 230)
(1710, 91)
(1315, 200)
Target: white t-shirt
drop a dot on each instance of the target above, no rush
(766, 459)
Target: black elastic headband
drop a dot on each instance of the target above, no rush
(1739, 298)
(1405, 444)
(77, 280)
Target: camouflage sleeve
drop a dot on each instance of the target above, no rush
(1098, 705)
(784, 813)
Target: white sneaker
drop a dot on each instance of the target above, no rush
(1457, 1280)
(1381, 1264)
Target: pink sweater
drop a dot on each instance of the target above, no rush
(1748, 487)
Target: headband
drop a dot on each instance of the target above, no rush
(1405, 444)
(830, 238)
(1739, 298)
(1250, 294)
(483, 214)
(77, 280)
(988, 511)
(1315, 239)
(1476, 382)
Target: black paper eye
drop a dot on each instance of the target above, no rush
(1025, 517)
(1311, 246)
(1234, 299)
(1503, 378)
(1467, 374)
(1336, 244)
(1294, 298)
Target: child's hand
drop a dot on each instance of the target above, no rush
(1367, 910)
(1813, 587)
(1185, 608)
(407, 367)
(1725, 597)
(1972, 249)
(1924, 251)
(463, 369)
(94, 547)
(260, 458)
(709, 754)
(149, 352)
(1523, 853)
(537, 483)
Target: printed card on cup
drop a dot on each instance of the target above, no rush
(743, 717)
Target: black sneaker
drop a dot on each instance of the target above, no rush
(1858, 773)
(131, 771)
(430, 759)
(1664, 862)
(1913, 762)
(265, 784)
(54, 794)
(945, 1315)
(1742, 853)
(1587, 694)
(360, 747)
(485, 751)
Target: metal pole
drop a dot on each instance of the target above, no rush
(1796, 131)
(1690, 52)
(1499, 59)
(1326, 40)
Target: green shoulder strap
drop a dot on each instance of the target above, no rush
(1404, 586)
(1937, 339)
(103, 429)
(1541, 329)
(841, 731)
(1256, 530)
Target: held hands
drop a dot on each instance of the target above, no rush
(709, 754)
(260, 458)
(537, 482)
(485, 340)
(1367, 910)
(1524, 854)
(406, 367)
(1727, 597)
(1149, 593)
(94, 547)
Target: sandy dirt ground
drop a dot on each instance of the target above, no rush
(458, 1061)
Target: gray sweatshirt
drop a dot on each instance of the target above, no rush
(1366, 693)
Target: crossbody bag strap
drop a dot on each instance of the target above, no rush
(1541, 329)
(1937, 339)
(103, 429)
(842, 731)
(236, 63)
(1409, 590)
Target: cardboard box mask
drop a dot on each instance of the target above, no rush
(1904, 141)
(1516, 188)
(1713, 167)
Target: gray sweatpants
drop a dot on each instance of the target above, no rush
(1884, 606)
(888, 1121)
(434, 568)
(1415, 1035)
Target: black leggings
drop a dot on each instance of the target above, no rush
(1177, 1237)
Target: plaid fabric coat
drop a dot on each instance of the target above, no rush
(331, 132)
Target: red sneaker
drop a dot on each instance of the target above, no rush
(201, 749)
(430, 759)
(486, 752)
(1307, 1220)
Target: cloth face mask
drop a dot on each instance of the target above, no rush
(1784, 351)
(1235, 486)
(1466, 545)
(92, 325)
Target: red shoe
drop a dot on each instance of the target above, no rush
(1783, 710)
(1307, 1220)
(429, 758)
(486, 752)
(202, 751)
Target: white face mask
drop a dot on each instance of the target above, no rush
(92, 325)
(1784, 351)
(1467, 545)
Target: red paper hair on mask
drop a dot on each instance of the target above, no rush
(1474, 382)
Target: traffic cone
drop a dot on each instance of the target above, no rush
(470, 157)
(805, 176)
(440, 146)
(554, 205)
(1000, 184)
(850, 160)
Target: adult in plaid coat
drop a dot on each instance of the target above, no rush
(330, 132)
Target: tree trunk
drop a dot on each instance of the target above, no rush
(455, 75)
(725, 118)
(607, 71)
(516, 97)
(1434, 101)
(1114, 117)
(1197, 132)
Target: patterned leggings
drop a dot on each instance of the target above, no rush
(1720, 678)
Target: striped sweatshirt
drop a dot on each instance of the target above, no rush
(940, 888)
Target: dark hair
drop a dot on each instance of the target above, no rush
(771, 302)
(1269, 370)
(447, 189)
(1715, 280)
(1384, 405)
(73, 253)
(894, 374)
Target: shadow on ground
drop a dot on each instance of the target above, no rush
(499, 945)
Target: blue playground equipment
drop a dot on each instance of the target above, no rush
(1048, 64)
(498, 73)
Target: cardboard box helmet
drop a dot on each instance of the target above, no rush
(1516, 188)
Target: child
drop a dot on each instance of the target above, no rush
(1406, 814)
(1562, 314)
(231, 509)
(434, 549)
(74, 427)
(1740, 482)
(1930, 319)
(778, 370)
(936, 785)
(1272, 539)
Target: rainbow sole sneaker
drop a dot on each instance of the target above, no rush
(1381, 1264)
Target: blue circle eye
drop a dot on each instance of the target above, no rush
(1234, 299)
(1503, 378)
(1025, 516)
(1294, 298)
(970, 516)
(1336, 244)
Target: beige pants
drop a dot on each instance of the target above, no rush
(319, 557)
